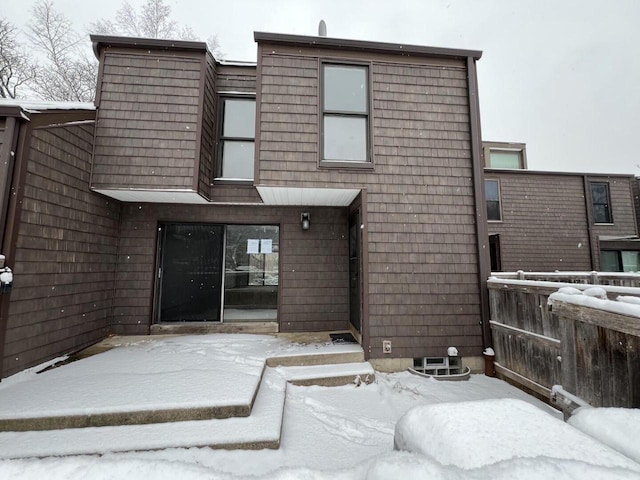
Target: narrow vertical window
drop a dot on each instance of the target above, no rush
(345, 113)
(237, 138)
(601, 203)
(492, 193)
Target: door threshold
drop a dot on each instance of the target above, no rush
(196, 328)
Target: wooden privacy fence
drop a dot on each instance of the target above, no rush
(529, 339)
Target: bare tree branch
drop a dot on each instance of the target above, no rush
(16, 67)
(152, 21)
(67, 73)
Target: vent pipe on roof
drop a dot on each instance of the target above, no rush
(322, 29)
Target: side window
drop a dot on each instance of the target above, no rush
(237, 138)
(600, 200)
(505, 155)
(345, 113)
(492, 193)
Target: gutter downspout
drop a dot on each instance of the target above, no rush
(482, 235)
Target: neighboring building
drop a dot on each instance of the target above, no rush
(336, 185)
(548, 221)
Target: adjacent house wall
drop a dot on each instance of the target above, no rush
(422, 252)
(314, 268)
(64, 264)
(544, 224)
(547, 220)
(622, 211)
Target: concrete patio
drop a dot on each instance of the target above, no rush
(220, 391)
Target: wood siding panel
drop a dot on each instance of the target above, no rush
(208, 133)
(544, 222)
(622, 211)
(231, 78)
(314, 278)
(147, 121)
(66, 253)
(423, 262)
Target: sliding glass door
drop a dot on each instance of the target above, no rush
(251, 273)
(218, 273)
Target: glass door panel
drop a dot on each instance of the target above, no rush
(251, 273)
(191, 272)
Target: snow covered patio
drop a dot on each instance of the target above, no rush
(343, 432)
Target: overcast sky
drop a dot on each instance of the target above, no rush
(562, 76)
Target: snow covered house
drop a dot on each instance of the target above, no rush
(336, 185)
(548, 221)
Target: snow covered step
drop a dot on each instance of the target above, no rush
(335, 354)
(329, 375)
(150, 382)
(259, 430)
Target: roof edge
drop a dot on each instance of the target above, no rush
(100, 41)
(378, 47)
(522, 171)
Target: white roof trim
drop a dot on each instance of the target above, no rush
(320, 197)
(153, 196)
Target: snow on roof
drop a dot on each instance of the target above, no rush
(237, 63)
(36, 106)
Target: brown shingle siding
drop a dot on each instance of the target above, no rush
(148, 120)
(420, 202)
(545, 222)
(66, 252)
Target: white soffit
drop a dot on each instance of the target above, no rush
(320, 197)
(153, 196)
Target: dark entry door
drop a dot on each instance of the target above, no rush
(191, 272)
(355, 303)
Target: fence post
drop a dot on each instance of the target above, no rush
(520, 275)
(594, 278)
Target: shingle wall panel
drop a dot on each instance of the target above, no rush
(66, 253)
(422, 253)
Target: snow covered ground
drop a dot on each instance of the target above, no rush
(347, 433)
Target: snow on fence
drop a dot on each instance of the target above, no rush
(534, 348)
(591, 278)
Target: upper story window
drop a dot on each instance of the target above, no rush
(345, 113)
(505, 155)
(237, 138)
(492, 193)
(601, 202)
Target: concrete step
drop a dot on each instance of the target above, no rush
(82, 394)
(329, 375)
(319, 358)
(260, 430)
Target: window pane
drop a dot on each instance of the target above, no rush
(491, 190)
(599, 193)
(251, 273)
(601, 214)
(237, 159)
(609, 261)
(345, 88)
(502, 159)
(630, 261)
(239, 118)
(493, 210)
(345, 138)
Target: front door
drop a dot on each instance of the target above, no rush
(355, 302)
(191, 272)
